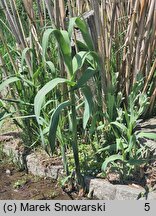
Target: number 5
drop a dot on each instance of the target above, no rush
(147, 207)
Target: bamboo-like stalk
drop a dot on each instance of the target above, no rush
(62, 13)
(29, 9)
(57, 13)
(9, 54)
(39, 6)
(10, 21)
(136, 22)
(50, 8)
(150, 76)
(152, 101)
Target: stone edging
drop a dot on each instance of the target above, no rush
(40, 164)
(103, 190)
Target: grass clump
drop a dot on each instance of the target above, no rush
(80, 96)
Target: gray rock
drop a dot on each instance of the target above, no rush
(151, 195)
(40, 164)
(148, 126)
(103, 190)
(13, 147)
(126, 192)
(100, 189)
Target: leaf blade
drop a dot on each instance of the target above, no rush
(111, 159)
(54, 124)
(39, 98)
(89, 104)
(7, 82)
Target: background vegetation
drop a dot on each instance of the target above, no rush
(76, 76)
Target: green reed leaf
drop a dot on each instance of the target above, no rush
(39, 98)
(54, 124)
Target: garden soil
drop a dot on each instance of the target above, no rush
(16, 185)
